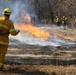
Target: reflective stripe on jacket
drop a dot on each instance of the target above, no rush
(57, 19)
(1, 64)
(6, 28)
(11, 30)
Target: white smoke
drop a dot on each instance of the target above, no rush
(17, 7)
(27, 38)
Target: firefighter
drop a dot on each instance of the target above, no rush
(64, 22)
(6, 28)
(58, 21)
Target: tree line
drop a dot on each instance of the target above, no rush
(48, 9)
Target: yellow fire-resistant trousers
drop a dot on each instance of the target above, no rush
(3, 51)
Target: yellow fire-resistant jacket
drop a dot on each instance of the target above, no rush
(6, 28)
(57, 20)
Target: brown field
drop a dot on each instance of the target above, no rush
(38, 60)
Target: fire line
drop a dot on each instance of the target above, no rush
(37, 32)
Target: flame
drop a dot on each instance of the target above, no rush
(35, 31)
(25, 16)
(29, 27)
(63, 37)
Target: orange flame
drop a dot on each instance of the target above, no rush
(63, 37)
(35, 31)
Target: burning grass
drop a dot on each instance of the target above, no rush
(35, 31)
(62, 60)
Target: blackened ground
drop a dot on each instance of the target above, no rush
(43, 60)
(58, 62)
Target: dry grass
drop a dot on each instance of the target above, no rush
(39, 70)
(23, 69)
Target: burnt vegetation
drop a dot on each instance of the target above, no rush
(62, 60)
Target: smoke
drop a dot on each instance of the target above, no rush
(17, 6)
(25, 38)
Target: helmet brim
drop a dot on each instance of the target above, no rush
(6, 13)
